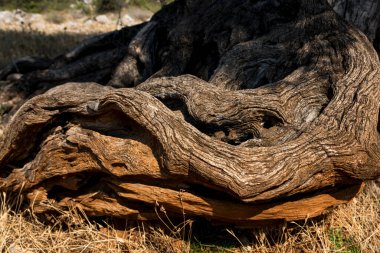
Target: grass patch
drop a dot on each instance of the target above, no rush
(153, 6)
(22, 231)
(341, 242)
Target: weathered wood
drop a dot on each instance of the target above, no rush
(271, 108)
(365, 14)
(153, 201)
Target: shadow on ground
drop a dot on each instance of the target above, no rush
(17, 44)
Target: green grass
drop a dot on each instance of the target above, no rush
(4, 109)
(228, 246)
(343, 243)
(147, 4)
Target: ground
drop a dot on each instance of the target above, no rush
(354, 227)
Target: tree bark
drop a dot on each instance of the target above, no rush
(269, 108)
(365, 14)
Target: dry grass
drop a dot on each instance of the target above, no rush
(17, 44)
(21, 39)
(60, 31)
(73, 232)
(354, 227)
(351, 228)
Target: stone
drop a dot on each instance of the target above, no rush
(35, 18)
(7, 17)
(39, 26)
(128, 20)
(103, 19)
(89, 22)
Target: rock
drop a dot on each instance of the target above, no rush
(20, 13)
(103, 19)
(40, 26)
(35, 18)
(6, 17)
(89, 22)
(128, 20)
(14, 77)
(19, 16)
(72, 25)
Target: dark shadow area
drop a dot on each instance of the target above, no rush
(18, 44)
(376, 42)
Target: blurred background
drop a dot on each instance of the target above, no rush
(50, 27)
(99, 6)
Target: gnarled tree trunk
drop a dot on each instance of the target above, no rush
(365, 14)
(237, 111)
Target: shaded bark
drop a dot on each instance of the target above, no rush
(264, 107)
(365, 14)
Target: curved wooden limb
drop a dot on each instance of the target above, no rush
(150, 202)
(186, 151)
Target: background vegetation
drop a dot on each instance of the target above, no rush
(100, 6)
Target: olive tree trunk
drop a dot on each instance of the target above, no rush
(365, 14)
(237, 111)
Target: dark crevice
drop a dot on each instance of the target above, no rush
(270, 121)
(330, 93)
(378, 122)
(225, 133)
(140, 66)
(89, 181)
(95, 181)
(204, 60)
(376, 42)
(177, 105)
(242, 138)
(5, 172)
(233, 134)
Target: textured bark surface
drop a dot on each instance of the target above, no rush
(365, 14)
(237, 111)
